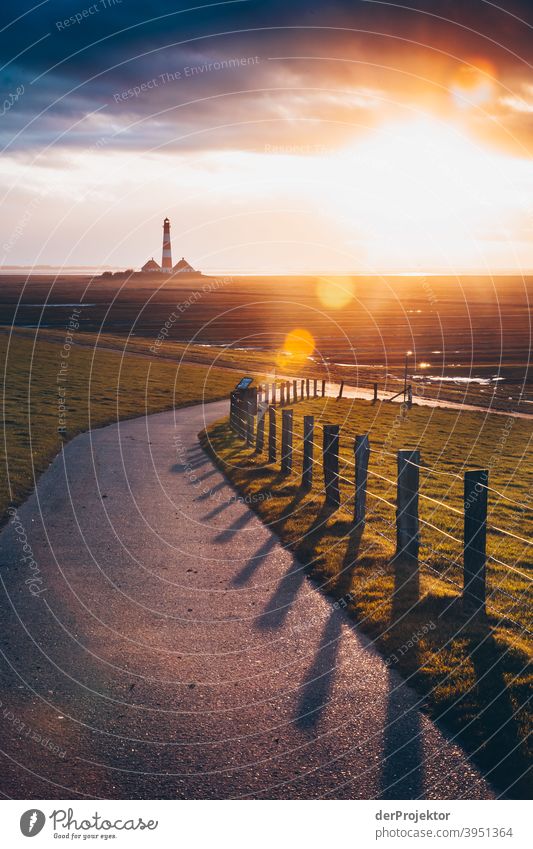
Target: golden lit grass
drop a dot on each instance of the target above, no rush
(292, 360)
(472, 676)
(101, 387)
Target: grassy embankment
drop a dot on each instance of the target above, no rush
(389, 377)
(472, 676)
(99, 387)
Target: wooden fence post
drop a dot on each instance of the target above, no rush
(271, 434)
(375, 393)
(307, 388)
(409, 396)
(265, 399)
(341, 387)
(294, 391)
(307, 463)
(273, 394)
(240, 417)
(475, 541)
(331, 464)
(407, 526)
(302, 390)
(315, 388)
(286, 442)
(362, 454)
(282, 394)
(260, 429)
(323, 388)
(232, 412)
(249, 423)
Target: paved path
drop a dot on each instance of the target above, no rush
(176, 649)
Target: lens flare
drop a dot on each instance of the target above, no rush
(335, 292)
(299, 344)
(473, 84)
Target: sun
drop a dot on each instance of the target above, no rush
(421, 188)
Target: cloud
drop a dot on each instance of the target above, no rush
(247, 74)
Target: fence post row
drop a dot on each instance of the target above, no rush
(475, 540)
(286, 442)
(362, 455)
(407, 525)
(331, 464)
(408, 482)
(307, 462)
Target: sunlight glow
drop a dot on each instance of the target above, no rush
(335, 293)
(473, 84)
(423, 189)
(299, 344)
(417, 195)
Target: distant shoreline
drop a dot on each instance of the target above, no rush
(84, 270)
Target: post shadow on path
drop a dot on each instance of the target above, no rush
(238, 525)
(212, 491)
(402, 772)
(255, 562)
(217, 510)
(278, 606)
(402, 775)
(203, 477)
(354, 537)
(188, 467)
(263, 551)
(501, 718)
(319, 679)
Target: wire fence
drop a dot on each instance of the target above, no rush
(458, 543)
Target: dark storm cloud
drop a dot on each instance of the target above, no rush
(91, 55)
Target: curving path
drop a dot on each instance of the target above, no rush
(172, 648)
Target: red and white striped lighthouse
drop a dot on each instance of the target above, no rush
(166, 262)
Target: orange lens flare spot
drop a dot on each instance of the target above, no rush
(336, 292)
(473, 84)
(299, 344)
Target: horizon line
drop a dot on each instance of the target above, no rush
(81, 270)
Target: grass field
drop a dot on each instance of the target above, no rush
(460, 330)
(472, 676)
(390, 380)
(95, 387)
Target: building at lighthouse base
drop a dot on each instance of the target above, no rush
(181, 267)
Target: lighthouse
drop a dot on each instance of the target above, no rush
(181, 267)
(166, 262)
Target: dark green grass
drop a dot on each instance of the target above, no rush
(100, 387)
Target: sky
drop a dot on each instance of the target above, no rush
(279, 137)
